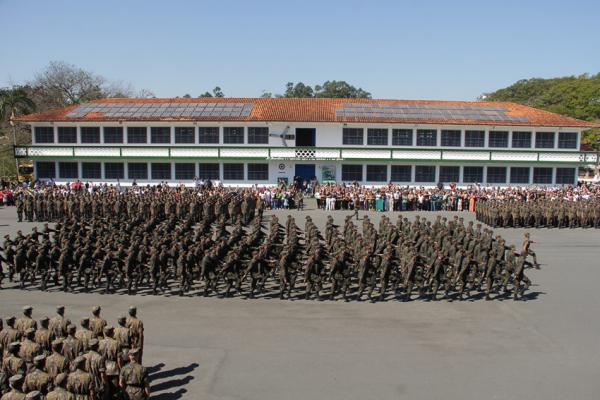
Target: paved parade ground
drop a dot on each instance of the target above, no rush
(546, 347)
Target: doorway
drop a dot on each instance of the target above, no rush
(306, 137)
(305, 172)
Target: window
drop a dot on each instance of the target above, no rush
(426, 137)
(353, 136)
(521, 140)
(377, 137)
(184, 134)
(113, 134)
(401, 173)
(376, 173)
(208, 135)
(402, 137)
(67, 134)
(137, 135)
(496, 174)
(45, 169)
(351, 173)
(450, 138)
(449, 174)
(425, 173)
(474, 139)
(91, 170)
(472, 174)
(233, 172)
(160, 135)
(258, 135)
(233, 135)
(567, 140)
(90, 134)
(160, 171)
(498, 139)
(519, 175)
(185, 171)
(209, 171)
(258, 172)
(542, 175)
(565, 176)
(137, 170)
(68, 170)
(544, 140)
(44, 134)
(114, 170)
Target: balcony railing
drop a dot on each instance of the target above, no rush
(307, 154)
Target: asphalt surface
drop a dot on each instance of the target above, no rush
(546, 347)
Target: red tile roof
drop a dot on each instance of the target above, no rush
(318, 110)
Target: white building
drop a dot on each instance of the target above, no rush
(241, 141)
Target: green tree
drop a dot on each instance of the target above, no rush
(573, 96)
(217, 92)
(298, 90)
(341, 90)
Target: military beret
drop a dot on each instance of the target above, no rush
(60, 308)
(27, 308)
(39, 358)
(132, 308)
(14, 345)
(79, 361)
(60, 378)
(15, 379)
(35, 395)
(121, 317)
(108, 329)
(10, 319)
(86, 319)
(44, 318)
(29, 331)
(96, 309)
(71, 327)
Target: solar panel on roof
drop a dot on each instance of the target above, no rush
(112, 110)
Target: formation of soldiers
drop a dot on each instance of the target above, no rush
(540, 213)
(181, 242)
(52, 359)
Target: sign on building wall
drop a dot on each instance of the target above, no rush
(328, 174)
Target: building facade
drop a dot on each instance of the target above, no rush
(261, 141)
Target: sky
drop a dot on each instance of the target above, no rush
(451, 50)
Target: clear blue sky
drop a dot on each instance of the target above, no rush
(419, 49)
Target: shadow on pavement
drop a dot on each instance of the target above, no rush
(171, 388)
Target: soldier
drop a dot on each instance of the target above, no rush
(95, 366)
(122, 333)
(526, 249)
(96, 322)
(60, 392)
(20, 207)
(72, 347)
(9, 334)
(133, 378)
(16, 385)
(29, 349)
(58, 324)
(136, 329)
(80, 382)
(109, 350)
(56, 363)
(36, 378)
(26, 322)
(84, 335)
(12, 364)
(42, 335)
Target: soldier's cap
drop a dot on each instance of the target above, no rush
(60, 308)
(79, 361)
(10, 319)
(121, 318)
(29, 331)
(85, 319)
(7, 236)
(15, 379)
(27, 308)
(14, 345)
(60, 378)
(108, 328)
(57, 342)
(39, 358)
(96, 309)
(71, 327)
(44, 319)
(93, 342)
(35, 395)
(132, 309)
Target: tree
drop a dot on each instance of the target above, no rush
(573, 96)
(299, 90)
(340, 90)
(217, 92)
(14, 102)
